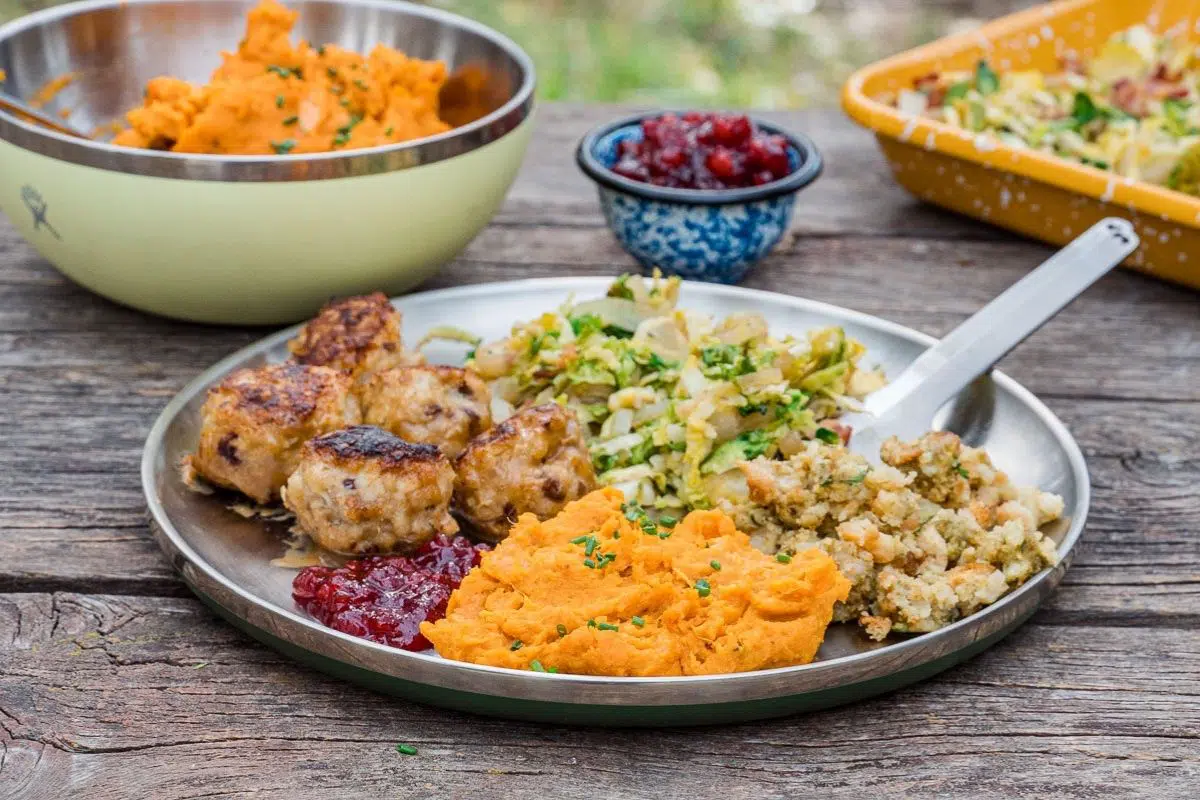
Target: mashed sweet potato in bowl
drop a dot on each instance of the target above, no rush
(269, 155)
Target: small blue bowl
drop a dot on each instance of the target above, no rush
(711, 235)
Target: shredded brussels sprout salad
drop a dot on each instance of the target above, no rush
(674, 399)
(1134, 109)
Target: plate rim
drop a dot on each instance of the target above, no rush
(567, 688)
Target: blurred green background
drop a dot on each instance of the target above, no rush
(754, 53)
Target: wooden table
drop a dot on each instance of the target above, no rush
(116, 683)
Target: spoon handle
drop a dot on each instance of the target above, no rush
(972, 348)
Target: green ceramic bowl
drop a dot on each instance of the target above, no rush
(251, 239)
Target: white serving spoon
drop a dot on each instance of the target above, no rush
(907, 405)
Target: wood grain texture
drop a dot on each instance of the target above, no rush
(98, 690)
(114, 683)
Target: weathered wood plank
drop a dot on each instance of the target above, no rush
(103, 696)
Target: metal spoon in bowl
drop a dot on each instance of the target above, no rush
(22, 109)
(906, 407)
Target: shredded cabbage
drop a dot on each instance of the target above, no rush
(672, 399)
(1134, 109)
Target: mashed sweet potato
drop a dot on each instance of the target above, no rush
(270, 97)
(601, 590)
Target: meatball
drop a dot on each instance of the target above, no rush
(445, 406)
(362, 490)
(534, 461)
(253, 424)
(360, 335)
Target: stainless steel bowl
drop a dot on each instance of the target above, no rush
(251, 239)
(116, 46)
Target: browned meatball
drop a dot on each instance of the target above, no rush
(253, 424)
(360, 335)
(445, 406)
(362, 490)
(534, 461)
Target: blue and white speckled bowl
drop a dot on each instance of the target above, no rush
(711, 235)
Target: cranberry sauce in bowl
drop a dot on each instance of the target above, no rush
(386, 598)
(703, 151)
(697, 194)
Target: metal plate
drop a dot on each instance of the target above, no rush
(226, 559)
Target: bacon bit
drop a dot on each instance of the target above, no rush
(1162, 89)
(937, 96)
(1162, 74)
(926, 83)
(1129, 97)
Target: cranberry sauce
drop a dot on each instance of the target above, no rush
(386, 598)
(703, 151)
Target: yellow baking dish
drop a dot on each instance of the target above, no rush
(1033, 193)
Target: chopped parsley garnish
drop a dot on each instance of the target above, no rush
(516, 645)
(702, 588)
(561, 629)
(284, 147)
(586, 324)
(620, 288)
(638, 621)
(755, 408)
(604, 626)
(716, 565)
(291, 120)
(783, 558)
(828, 436)
(285, 72)
(986, 79)
(406, 749)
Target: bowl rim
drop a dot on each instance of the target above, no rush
(809, 170)
(277, 168)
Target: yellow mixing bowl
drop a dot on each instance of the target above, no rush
(251, 239)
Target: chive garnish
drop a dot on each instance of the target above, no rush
(516, 645)
(406, 749)
(783, 558)
(715, 565)
(592, 544)
(591, 623)
(331, 72)
(284, 147)
(702, 588)
(638, 621)
(291, 120)
(587, 562)
(536, 666)
(284, 72)
(667, 521)
(321, 50)
(562, 629)
(579, 540)
(360, 83)
(388, 132)
(279, 101)
(604, 626)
